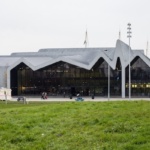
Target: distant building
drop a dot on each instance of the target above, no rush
(77, 70)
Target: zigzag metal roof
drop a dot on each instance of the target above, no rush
(81, 57)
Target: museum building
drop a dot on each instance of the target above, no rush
(69, 71)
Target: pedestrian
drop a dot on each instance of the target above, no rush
(64, 94)
(42, 95)
(45, 95)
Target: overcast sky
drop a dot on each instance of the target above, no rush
(29, 25)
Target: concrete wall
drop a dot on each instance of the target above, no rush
(3, 76)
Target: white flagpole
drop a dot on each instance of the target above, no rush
(86, 39)
(147, 49)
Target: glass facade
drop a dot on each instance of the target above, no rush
(140, 78)
(61, 79)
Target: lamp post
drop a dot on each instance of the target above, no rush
(108, 78)
(129, 36)
(108, 82)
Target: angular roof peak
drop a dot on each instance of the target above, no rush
(122, 49)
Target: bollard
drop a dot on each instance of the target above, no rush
(70, 96)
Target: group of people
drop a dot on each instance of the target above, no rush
(44, 95)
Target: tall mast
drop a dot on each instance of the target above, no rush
(147, 49)
(86, 42)
(119, 35)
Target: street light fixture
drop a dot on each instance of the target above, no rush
(108, 78)
(129, 36)
(108, 82)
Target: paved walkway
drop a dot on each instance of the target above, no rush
(59, 99)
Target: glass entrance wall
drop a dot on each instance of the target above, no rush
(64, 79)
(140, 78)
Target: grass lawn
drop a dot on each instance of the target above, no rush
(119, 125)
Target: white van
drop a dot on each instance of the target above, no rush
(5, 94)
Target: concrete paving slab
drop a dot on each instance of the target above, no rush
(96, 99)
